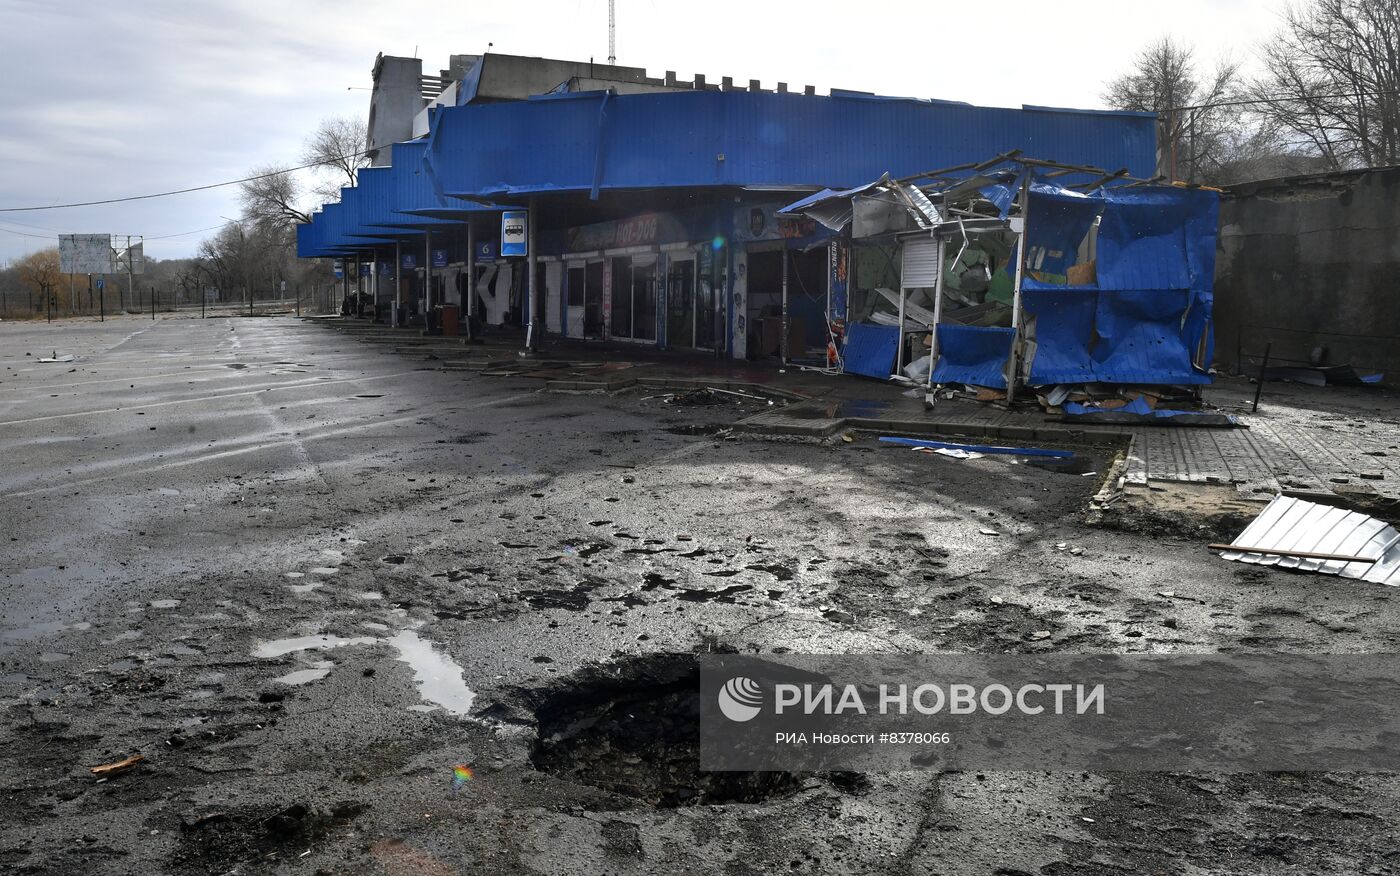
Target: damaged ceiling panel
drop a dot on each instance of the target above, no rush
(1289, 527)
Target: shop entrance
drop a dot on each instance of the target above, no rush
(690, 306)
(585, 313)
(806, 300)
(634, 297)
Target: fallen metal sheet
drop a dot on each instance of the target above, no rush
(977, 448)
(1295, 524)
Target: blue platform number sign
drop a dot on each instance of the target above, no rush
(513, 232)
(339, 267)
(409, 261)
(439, 258)
(385, 269)
(485, 251)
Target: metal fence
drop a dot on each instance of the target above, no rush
(21, 304)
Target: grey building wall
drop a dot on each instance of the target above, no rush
(1309, 262)
(396, 99)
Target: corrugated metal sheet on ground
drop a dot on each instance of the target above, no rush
(1298, 525)
(870, 350)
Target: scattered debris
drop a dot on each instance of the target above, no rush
(977, 448)
(954, 452)
(67, 357)
(107, 770)
(1296, 534)
(1322, 375)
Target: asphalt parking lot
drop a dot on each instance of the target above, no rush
(307, 578)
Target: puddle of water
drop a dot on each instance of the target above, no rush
(334, 555)
(324, 570)
(201, 694)
(126, 636)
(371, 595)
(1078, 464)
(167, 491)
(439, 677)
(278, 647)
(317, 671)
(122, 665)
(304, 588)
(53, 657)
(165, 603)
(371, 625)
(295, 574)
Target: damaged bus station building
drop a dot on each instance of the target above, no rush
(661, 213)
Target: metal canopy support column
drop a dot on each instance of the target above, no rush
(783, 341)
(398, 284)
(427, 276)
(532, 337)
(469, 306)
(937, 313)
(1013, 368)
(374, 266)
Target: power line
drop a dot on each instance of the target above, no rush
(1272, 100)
(217, 185)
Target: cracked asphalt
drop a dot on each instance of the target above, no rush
(305, 578)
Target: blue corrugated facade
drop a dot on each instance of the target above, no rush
(646, 183)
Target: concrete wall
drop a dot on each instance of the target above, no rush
(1311, 262)
(397, 98)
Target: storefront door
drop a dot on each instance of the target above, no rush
(680, 302)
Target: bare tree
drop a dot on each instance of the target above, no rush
(272, 197)
(39, 272)
(337, 146)
(1332, 81)
(1196, 135)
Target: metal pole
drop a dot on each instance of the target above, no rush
(783, 340)
(131, 277)
(470, 307)
(102, 298)
(398, 283)
(1263, 368)
(153, 303)
(1014, 368)
(70, 295)
(427, 276)
(937, 310)
(536, 288)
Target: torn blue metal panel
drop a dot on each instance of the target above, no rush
(870, 350)
(1064, 332)
(1058, 221)
(1142, 240)
(1138, 410)
(974, 355)
(1139, 338)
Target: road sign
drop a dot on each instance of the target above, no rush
(99, 283)
(409, 261)
(514, 239)
(339, 267)
(85, 253)
(439, 258)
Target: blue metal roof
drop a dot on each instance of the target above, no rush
(591, 142)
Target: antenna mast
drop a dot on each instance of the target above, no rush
(612, 32)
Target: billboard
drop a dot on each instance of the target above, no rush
(131, 260)
(85, 253)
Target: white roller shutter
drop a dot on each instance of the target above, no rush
(919, 267)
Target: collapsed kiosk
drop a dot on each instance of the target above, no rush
(1086, 286)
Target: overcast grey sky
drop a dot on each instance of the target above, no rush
(103, 100)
